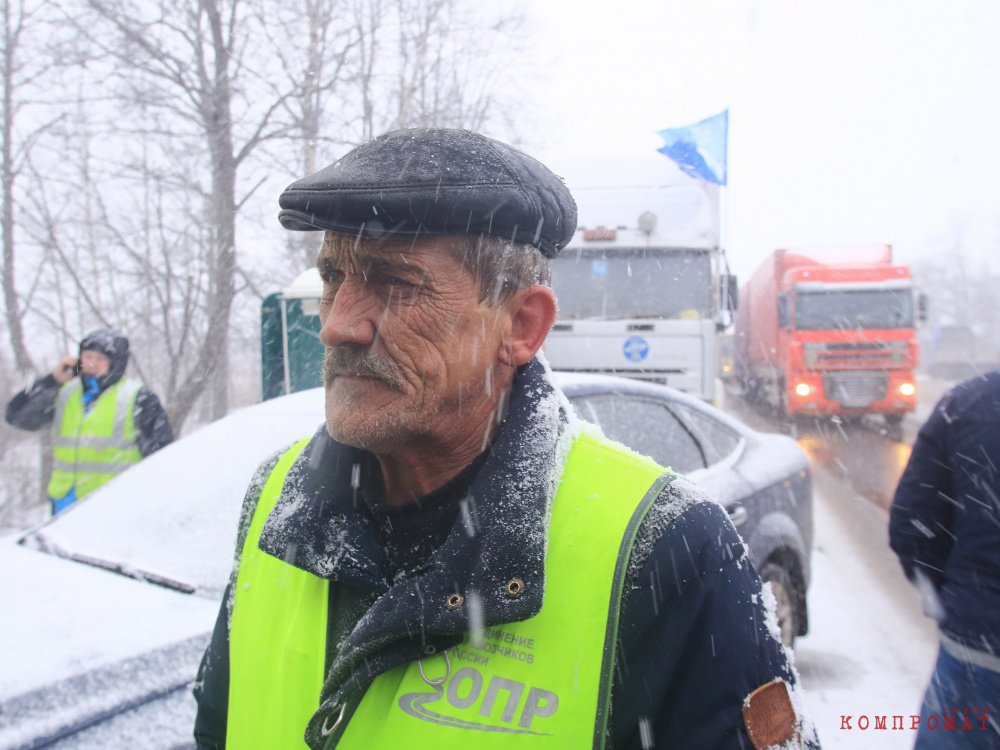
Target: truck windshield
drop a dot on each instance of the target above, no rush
(633, 283)
(869, 308)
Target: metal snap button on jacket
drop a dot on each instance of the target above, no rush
(514, 588)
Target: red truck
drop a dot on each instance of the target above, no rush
(830, 331)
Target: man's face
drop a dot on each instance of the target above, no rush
(94, 363)
(410, 350)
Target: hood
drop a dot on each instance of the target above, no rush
(114, 345)
(85, 644)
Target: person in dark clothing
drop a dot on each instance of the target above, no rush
(102, 423)
(454, 559)
(944, 525)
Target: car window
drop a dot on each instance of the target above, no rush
(718, 440)
(647, 427)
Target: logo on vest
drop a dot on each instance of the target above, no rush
(466, 696)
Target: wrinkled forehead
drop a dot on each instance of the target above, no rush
(357, 252)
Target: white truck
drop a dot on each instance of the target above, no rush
(643, 287)
(634, 303)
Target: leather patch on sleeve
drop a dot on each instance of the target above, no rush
(768, 715)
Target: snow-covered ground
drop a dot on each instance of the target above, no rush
(870, 650)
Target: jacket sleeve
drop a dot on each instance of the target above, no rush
(696, 639)
(923, 504)
(151, 423)
(211, 687)
(35, 406)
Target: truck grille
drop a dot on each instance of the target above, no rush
(855, 389)
(848, 356)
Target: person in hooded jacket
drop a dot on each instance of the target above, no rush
(102, 422)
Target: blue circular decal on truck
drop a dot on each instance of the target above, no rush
(636, 348)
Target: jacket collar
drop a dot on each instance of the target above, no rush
(321, 525)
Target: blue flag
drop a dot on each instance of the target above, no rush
(700, 149)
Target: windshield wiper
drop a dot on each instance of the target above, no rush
(38, 542)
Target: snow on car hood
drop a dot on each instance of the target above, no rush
(175, 514)
(78, 642)
(772, 458)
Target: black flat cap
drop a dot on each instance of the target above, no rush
(418, 182)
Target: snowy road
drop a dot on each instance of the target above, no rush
(870, 649)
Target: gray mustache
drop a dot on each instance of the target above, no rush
(346, 361)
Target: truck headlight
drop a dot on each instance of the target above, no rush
(907, 389)
(803, 389)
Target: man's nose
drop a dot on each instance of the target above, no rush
(350, 317)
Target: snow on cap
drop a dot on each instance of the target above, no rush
(419, 181)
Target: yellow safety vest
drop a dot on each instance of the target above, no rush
(92, 447)
(544, 682)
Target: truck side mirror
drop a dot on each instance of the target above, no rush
(784, 313)
(923, 307)
(732, 293)
(728, 301)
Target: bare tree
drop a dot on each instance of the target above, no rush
(21, 68)
(186, 76)
(454, 64)
(318, 64)
(363, 67)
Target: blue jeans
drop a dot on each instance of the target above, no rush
(956, 686)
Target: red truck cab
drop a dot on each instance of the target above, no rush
(830, 332)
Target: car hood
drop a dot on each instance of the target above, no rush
(80, 644)
(770, 459)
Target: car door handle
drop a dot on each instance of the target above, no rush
(737, 514)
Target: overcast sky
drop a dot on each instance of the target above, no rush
(851, 121)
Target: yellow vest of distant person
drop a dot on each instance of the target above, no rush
(541, 683)
(92, 447)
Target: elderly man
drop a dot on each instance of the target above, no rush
(102, 422)
(453, 559)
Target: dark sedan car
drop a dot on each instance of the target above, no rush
(114, 600)
(762, 479)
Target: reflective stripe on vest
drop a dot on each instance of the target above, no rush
(91, 447)
(544, 682)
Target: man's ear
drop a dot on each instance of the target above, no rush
(533, 311)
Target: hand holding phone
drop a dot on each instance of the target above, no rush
(66, 369)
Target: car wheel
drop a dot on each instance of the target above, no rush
(784, 596)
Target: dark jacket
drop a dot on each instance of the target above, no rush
(34, 408)
(693, 638)
(944, 522)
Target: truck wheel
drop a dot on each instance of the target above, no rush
(784, 596)
(894, 426)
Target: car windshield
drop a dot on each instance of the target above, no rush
(172, 519)
(830, 309)
(633, 283)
